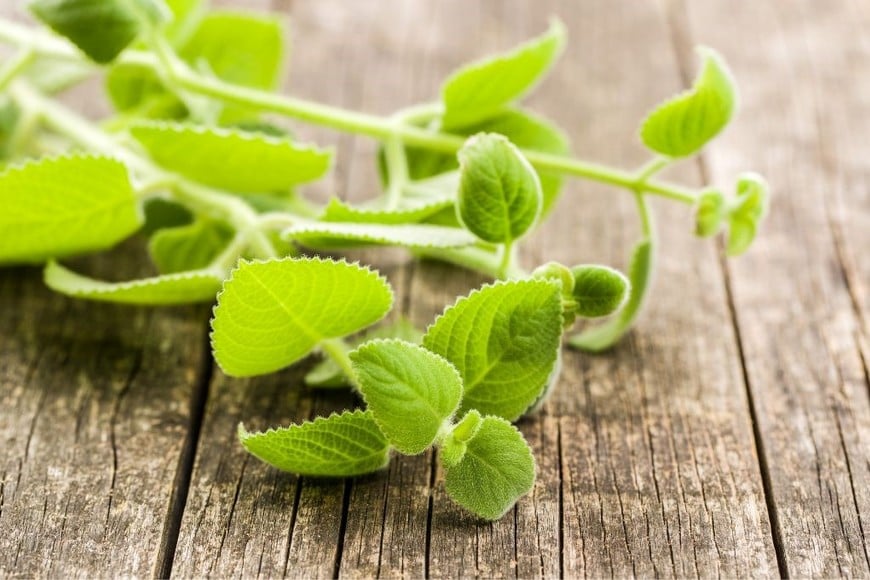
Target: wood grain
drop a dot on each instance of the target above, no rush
(804, 333)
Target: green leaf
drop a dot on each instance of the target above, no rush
(100, 28)
(496, 470)
(338, 211)
(504, 340)
(188, 247)
(598, 290)
(272, 313)
(484, 88)
(749, 210)
(710, 212)
(455, 444)
(244, 49)
(684, 124)
(186, 16)
(60, 206)
(231, 158)
(184, 288)
(342, 445)
(137, 89)
(163, 213)
(328, 374)
(499, 191)
(640, 270)
(339, 234)
(410, 391)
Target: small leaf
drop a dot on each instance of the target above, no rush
(272, 313)
(232, 159)
(710, 212)
(499, 191)
(137, 89)
(598, 290)
(640, 272)
(684, 124)
(410, 391)
(748, 212)
(100, 28)
(338, 211)
(188, 247)
(342, 445)
(61, 206)
(484, 88)
(184, 288)
(455, 444)
(496, 470)
(504, 340)
(336, 234)
(328, 374)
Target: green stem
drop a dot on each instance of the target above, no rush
(475, 259)
(337, 350)
(341, 119)
(507, 259)
(15, 66)
(397, 171)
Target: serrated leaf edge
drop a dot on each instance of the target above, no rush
(112, 287)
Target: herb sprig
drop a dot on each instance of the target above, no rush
(189, 158)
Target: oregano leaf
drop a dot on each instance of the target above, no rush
(328, 374)
(484, 88)
(749, 209)
(342, 445)
(710, 212)
(339, 211)
(409, 390)
(99, 28)
(504, 340)
(188, 247)
(182, 288)
(339, 234)
(603, 336)
(684, 124)
(496, 469)
(499, 191)
(598, 290)
(232, 159)
(61, 206)
(272, 313)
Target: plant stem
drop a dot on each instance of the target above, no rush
(338, 118)
(397, 171)
(337, 349)
(473, 258)
(15, 66)
(507, 259)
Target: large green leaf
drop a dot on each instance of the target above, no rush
(188, 247)
(272, 313)
(496, 470)
(232, 159)
(684, 124)
(410, 391)
(339, 234)
(499, 191)
(184, 288)
(484, 88)
(60, 206)
(504, 340)
(342, 445)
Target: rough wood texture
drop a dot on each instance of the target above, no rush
(729, 435)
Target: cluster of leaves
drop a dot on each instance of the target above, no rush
(189, 160)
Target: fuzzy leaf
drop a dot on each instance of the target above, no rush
(499, 191)
(342, 445)
(188, 247)
(484, 88)
(604, 336)
(685, 123)
(338, 211)
(598, 290)
(272, 313)
(60, 206)
(184, 288)
(747, 213)
(232, 159)
(496, 470)
(710, 212)
(410, 391)
(504, 340)
(405, 235)
(328, 374)
(99, 28)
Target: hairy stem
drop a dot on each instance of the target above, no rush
(337, 349)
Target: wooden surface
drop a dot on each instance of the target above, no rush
(728, 435)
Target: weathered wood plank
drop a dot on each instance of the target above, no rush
(95, 411)
(804, 125)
